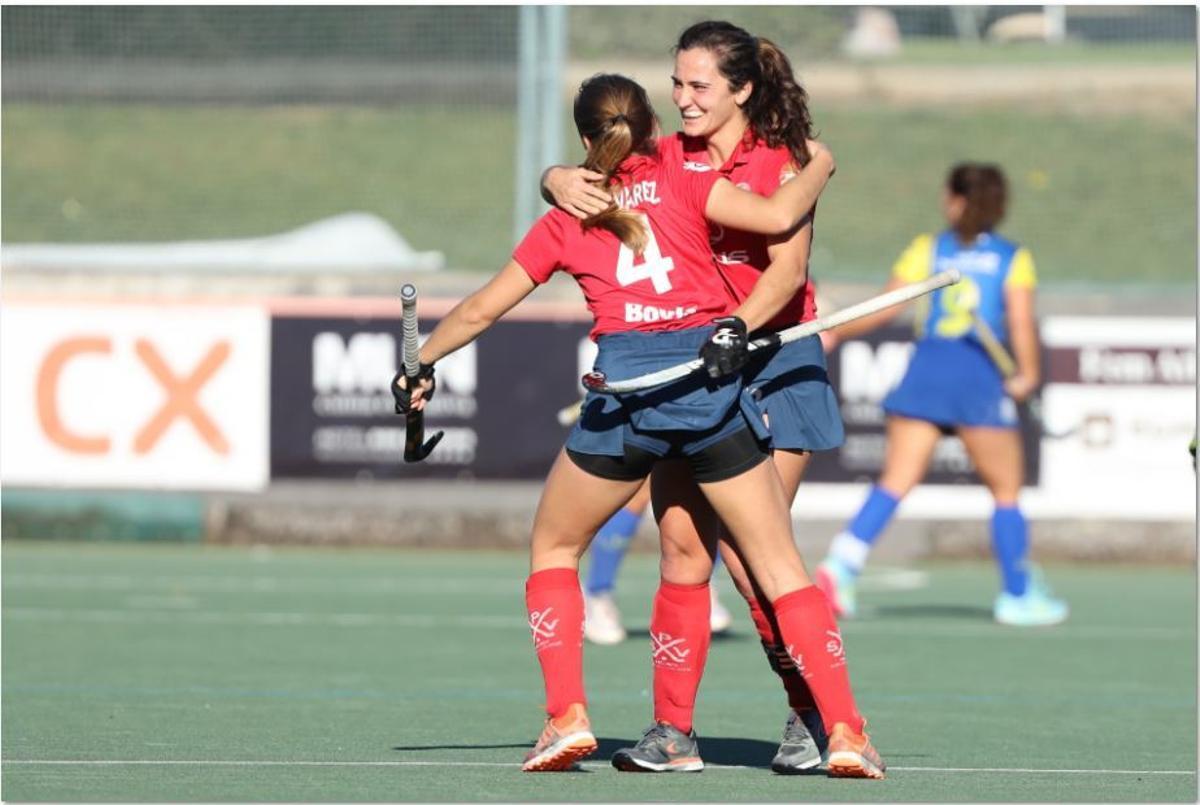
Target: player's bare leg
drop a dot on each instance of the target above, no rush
(999, 459)
(910, 446)
(574, 505)
(756, 512)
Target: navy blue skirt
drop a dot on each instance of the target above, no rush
(676, 419)
(792, 387)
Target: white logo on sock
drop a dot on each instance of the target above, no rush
(797, 660)
(668, 650)
(835, 648)
(542, 627)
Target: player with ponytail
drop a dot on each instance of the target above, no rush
(743, 115)
(953, 385)
(661, 210)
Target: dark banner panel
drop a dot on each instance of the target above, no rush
(497, 400)
(331, 409)
(863, 371)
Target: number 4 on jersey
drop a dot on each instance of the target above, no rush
(654, 266)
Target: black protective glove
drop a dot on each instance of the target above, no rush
(726, 351)
(404, 396)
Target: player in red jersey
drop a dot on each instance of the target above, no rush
(744, 116)
(646, 271)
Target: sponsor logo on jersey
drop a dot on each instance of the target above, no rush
(969, 262)
(698, 167)
(635, 312)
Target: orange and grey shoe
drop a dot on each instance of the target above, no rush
(564, 741)
(851, 754)
(662, 748)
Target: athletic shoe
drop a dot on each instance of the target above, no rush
(1035, 608)
(602, 620)
(564, 740)
(838, 584)
(804, 745)
(662, 748)
(720, 618)
(851, 754)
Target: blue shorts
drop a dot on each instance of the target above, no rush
(792, 388)
(952, 382)
(677, 419)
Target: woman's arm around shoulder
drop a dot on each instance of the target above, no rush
(784, 209)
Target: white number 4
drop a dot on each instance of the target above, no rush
(653, 267)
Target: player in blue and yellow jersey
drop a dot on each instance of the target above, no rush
(952, 385)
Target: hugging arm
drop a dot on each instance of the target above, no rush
(783, 210)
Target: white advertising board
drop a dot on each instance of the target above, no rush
(1124, 392)
(134, 396)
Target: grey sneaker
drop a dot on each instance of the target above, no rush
(662, 748)
(805, 745)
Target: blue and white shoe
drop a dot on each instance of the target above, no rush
(839, 585)
(1035, 608)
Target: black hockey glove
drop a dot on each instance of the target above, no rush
(404, 396)
(725, 352)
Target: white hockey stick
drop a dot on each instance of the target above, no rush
(596, 381)
(569, 414)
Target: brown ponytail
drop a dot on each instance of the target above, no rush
(615, 115)
(985, 191)
(777, 108)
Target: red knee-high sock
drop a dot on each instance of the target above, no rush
(555, 605)
(679, 634)
(798, 694)
(811, 637)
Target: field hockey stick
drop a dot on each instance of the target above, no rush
(415, 446)
(1008, 368)
(596, 381)
(568, 415)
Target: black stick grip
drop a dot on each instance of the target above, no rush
(415, 446)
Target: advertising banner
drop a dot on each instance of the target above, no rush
(496, 399)
(1118, 407)
(1122, 391)
(134, 396)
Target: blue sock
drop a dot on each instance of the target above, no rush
(608, 549)
(874, 515)
(1010, 544)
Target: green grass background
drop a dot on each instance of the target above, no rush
(184, 653)
(1100, 199)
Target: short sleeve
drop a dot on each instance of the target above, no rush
(1021, 273)
(540, 251)
(694, 183)
(915, 263)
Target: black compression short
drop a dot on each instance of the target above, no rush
(721, 461)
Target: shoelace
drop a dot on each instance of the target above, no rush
(656, 731)
(795, 730)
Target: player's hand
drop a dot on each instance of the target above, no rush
(726, 350)
(415, 400)
(829, 340)
(1020, 387)
(573, 191)
(816, 149)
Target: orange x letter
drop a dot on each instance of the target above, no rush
(181, 398)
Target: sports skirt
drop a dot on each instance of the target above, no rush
(952, 382)
(677, 419)
(791, 385)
